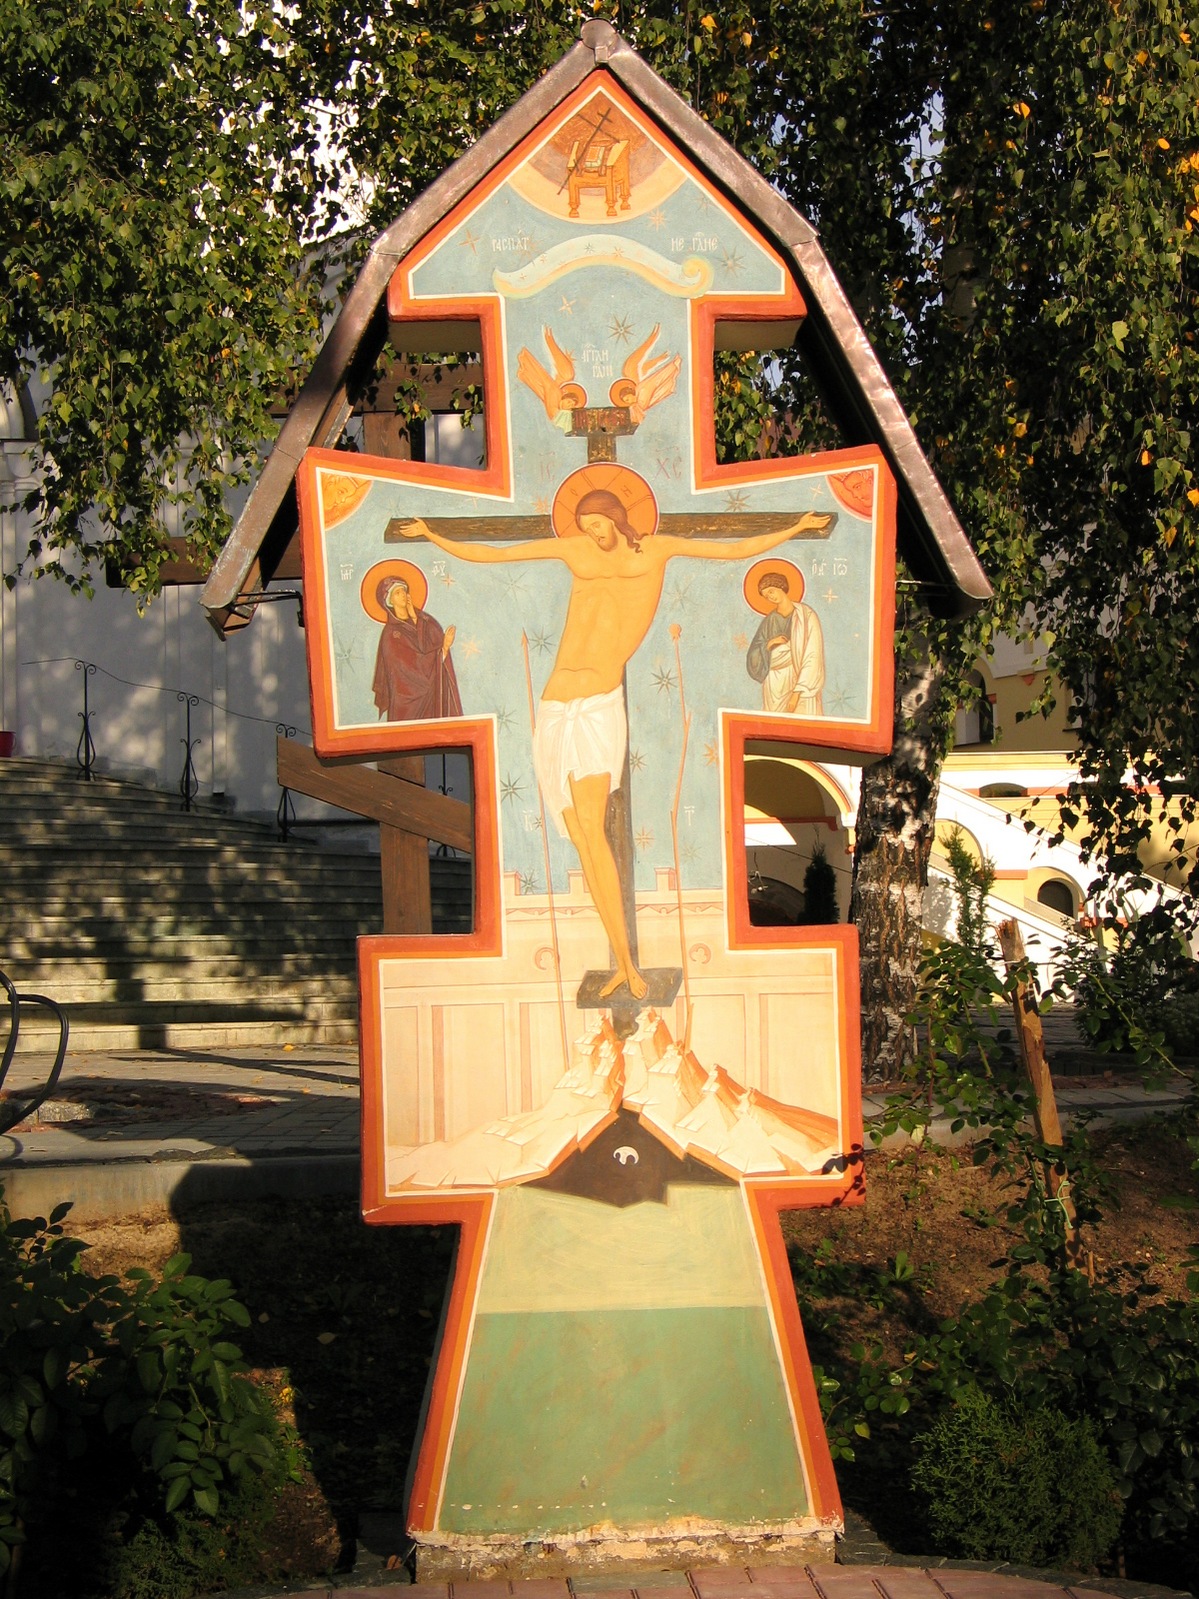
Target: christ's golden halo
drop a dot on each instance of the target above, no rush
(629, 487)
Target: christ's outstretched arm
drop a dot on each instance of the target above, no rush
(736, 549)
(484, 554)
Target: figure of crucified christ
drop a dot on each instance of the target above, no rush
(581, 731)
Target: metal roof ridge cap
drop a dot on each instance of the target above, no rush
(894, 424)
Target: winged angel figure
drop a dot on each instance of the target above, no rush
(645, 380)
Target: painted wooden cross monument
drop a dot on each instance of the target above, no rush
(615, 1082)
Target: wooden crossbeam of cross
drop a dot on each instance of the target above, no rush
(409, 815)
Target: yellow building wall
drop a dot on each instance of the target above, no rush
(1012, 695)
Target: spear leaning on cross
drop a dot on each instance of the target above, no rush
(545, 845)
(676, 633)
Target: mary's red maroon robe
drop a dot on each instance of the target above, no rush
(413, 682)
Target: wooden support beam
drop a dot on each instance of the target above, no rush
(407, 892)
(1030, 1037)
(407, 888)
(401, 804)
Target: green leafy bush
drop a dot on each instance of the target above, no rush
(170, 1378)
(972, 880)
(1124, 1360)
(48, 1319)
(179, 1556)
(1112, 1354)
(140, 1370)
(1142, 992)
(1179, 1020)
(1030, 1486)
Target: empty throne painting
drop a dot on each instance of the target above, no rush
(614, 1083)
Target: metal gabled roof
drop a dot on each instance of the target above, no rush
(831, 339)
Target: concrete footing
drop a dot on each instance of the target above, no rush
(614, 1562)
(101, 1189)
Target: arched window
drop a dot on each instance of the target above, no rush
(795, 841)
(975, 722)
(1058, 896)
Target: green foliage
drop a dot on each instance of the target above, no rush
(1141, 994)
(145, 1362)
(1180, 1022)
(185, 1554)
(1010, 196)
(153, 209)
(46, 1333)
(966, 1062)
(1122, 1359)
(1029, 1486)
(820, 890)
(180, 1389)
(972, 882)
(1116, 1357)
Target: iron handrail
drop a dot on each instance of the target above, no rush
(85, 750)
(14, 1110)
(189, 785)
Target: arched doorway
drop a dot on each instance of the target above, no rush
(794, 816)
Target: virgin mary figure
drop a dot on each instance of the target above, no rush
(414, 676)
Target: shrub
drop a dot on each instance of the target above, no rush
(178, 1556)
(143, 1366)
(1179, 1019)
(195, 1420)
(1146, 986)
(973, 880)
(1030, 1486)
(1112, 1354)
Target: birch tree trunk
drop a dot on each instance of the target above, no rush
(896, 822)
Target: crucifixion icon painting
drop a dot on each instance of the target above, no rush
(614, 1083)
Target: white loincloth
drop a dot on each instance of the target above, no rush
(578, 738)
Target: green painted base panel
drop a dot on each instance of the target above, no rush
(632, 1415)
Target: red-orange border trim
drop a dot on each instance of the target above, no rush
(470, 1212)
(765, 1204)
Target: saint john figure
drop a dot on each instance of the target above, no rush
(787, 652)
(414, 676)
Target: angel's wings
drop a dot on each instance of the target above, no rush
(651, 379)
(556, 390)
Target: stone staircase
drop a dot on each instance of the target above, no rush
(157, 928)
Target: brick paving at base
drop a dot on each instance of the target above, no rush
(775, 1582)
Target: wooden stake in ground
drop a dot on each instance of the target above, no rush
(1031, 1040)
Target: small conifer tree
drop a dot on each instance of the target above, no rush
(820, 890)
(972, 882)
